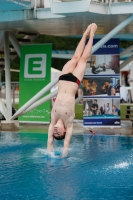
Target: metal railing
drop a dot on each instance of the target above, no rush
(14, 92)
(46, 3)
(26, 3)
(112, 1)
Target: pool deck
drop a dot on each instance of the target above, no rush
(125, 129)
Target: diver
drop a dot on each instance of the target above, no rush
(62, 114)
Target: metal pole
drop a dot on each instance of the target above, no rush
(126, 51)
(127, 61)
(37, 103)
(36, 97)
(7, 74)
(79, 99)
(112, 33)
(14, 42)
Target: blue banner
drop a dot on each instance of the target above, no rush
(101, 86)
(102, 122)
(110, 47)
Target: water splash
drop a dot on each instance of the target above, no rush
(121, 165)
(41, 152)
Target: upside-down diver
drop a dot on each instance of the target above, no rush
(62, 114)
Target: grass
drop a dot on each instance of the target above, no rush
(123, 111)
(78, 111)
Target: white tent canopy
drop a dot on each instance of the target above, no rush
(55, 73)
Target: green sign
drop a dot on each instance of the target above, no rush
(35, 74)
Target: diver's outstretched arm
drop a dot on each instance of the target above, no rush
(50, 140)
(67, 140)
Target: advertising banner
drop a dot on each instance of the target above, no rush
(98, 86)
(101, 86)
(35, 73)
(101, 112)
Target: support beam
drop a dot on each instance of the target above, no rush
(38, 103)
(126, 51)
(112, 33)
(3, 110)
(14, 42)
(35, 98)
(7, 74)
(126, 62)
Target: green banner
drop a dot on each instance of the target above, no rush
(35, 74)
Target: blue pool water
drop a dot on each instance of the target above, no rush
(97, 168)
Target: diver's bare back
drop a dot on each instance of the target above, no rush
(64, 105)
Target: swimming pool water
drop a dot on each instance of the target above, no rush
(97, 168)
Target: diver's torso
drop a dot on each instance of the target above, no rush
(65, 102)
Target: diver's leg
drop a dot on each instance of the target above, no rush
(71, 64)
(80, 68)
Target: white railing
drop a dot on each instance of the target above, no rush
(98, 1)
(46, 3)
(26, 3)
(57, 1)
(112, 1)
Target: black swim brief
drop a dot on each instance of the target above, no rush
(69, 77)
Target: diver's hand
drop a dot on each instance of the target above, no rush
(87, 32)
(93, 29)
(65, 152)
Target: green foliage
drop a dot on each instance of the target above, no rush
(125, 44)
(58, 43)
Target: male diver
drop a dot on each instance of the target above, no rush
(62, 114)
